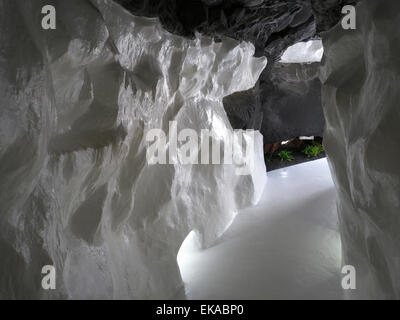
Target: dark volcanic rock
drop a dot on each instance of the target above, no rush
(286, 105)
(292, 103)
(328, 12)
(270, 25)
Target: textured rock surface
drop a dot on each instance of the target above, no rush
(75, 188)
(269, 24)
(361, 97)
(272, 26)
(328, 12)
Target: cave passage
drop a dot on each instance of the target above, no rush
(304, 203)
(287, 247)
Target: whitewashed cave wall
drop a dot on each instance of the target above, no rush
(361, 76)
(75, 188)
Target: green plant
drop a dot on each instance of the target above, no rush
(312, 150)
(285, 155)
(268, 158)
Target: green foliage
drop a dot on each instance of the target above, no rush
(312, 150)
(285, 155)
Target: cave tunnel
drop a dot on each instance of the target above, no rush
(199, 150)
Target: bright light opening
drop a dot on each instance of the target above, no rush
(304, 52)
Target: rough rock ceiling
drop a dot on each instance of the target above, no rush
(270, 25)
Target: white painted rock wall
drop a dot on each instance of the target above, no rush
(75, 187)
(361, 76)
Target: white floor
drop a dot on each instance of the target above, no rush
(287, 247)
